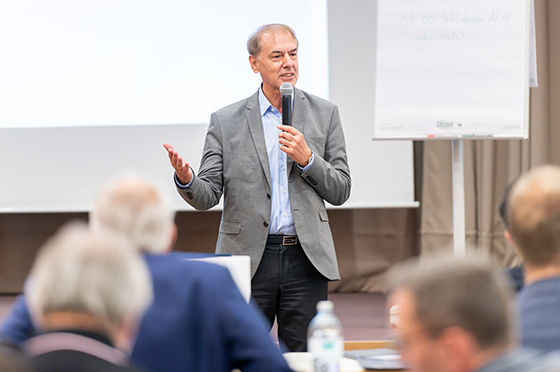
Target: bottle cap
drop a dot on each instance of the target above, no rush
(325, 306)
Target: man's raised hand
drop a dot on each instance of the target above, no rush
(182, 168)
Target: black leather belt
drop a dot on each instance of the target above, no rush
(282, 239)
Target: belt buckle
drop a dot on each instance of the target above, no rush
(289, 240)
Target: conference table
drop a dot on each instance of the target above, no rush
(302, 362)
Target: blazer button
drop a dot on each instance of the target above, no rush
(268, 196)
(265, 224)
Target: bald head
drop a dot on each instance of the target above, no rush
(534, 215)
(134, 207)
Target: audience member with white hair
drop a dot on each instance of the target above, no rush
(87, 293)
(199, 320)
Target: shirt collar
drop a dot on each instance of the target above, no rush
(264, 104)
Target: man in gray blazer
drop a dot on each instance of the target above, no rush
(275, 180)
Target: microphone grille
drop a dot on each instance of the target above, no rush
(286, 89)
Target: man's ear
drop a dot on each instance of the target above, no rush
(254, 64)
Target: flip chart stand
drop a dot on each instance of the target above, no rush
(458, 175)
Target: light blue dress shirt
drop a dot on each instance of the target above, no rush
(281, 219)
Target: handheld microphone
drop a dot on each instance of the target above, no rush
(286, 90)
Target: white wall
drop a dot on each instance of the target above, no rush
(59, 168)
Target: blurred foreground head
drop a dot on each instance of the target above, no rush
(89, 280)
(534, 216)
(455, 313)
(135, 208)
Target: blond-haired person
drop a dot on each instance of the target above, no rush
(534, 218)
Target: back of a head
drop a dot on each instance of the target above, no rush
(95, 273)
(459, 292)
(135, 208)
(534, 216)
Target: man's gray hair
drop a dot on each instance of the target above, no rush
(459, 292)
(96, 273)
(254, 43)
(137, 209)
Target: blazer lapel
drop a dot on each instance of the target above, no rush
(257, 133)
(299, 116)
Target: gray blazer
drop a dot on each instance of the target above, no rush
(235, 163)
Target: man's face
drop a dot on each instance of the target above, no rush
(277, 61)
(419, 350)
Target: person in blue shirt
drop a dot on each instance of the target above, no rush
(534, 219)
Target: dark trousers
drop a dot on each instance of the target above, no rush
(288, 286)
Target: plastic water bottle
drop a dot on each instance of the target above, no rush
(324, 339)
